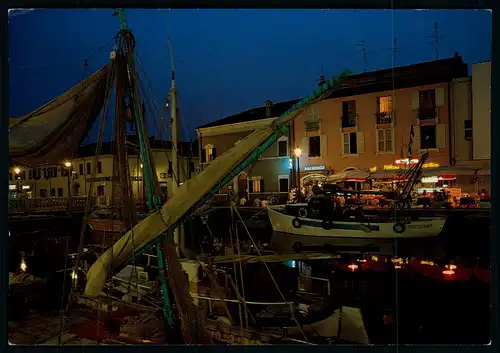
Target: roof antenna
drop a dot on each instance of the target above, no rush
(361, 44)
(435, 39)
(322, 79)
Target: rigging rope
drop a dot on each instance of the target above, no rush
(268, 270)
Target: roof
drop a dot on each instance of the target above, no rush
(185, 148)
(253, 114)
(414, 75)
(427, 73)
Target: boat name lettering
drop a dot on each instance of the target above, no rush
(419, 226)
(314, 167)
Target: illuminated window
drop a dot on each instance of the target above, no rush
(256, 184)
(384, 104)
(208, 154)
(384, 140)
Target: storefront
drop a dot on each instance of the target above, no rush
(350, 177)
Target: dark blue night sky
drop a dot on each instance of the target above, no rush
(227, 61)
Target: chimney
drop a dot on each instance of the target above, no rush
(268, 104)
(456, 54)
(321, 80)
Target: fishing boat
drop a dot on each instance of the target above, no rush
(284, 219)
(322, 221)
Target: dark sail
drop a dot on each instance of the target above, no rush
(54, 132)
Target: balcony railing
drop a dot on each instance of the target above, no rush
(426, 114)
(48, 204)
(384, 118)
(349, 120)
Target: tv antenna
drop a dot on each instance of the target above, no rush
(362, 45)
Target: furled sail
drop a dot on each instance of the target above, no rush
(54, 132)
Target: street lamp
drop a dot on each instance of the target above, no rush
(298, 152)
(67, 164)
(17, 170)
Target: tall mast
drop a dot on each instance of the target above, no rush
(149, 179)
(178, 232)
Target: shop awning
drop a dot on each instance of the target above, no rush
(440, 171)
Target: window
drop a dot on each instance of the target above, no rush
(384, 140)
(468, 129)
(384, 104)
(350, 143)
(59, 192)
(81, 169)
(89, 168)
(208, 154)
(384, 110)
(283, 183)
(100, 190)
(23, 175)
(53, 192)
(99, 167)
(256, 184)
(427, 104)
(283, 148)
(30, 174)
(428, 137)
(53, 172)
(314, 146)
(43, 192)
(349, 114)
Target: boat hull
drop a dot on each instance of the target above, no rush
(282, 222)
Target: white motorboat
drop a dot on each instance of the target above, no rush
(284, 221)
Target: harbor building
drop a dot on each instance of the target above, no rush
(266, 177)
(375, 125)
(73, 177)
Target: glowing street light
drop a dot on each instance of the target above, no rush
(67, 164)
(298, 152)
(23, 266)
(17, 170)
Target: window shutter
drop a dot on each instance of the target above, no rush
(203, 156)
(250, 185)
(441, 136)
(305, 146)
(415, 100)
(377, 150)
(416, 139)
(439, 94)
(360, 139)
(261, 185)
(214, 153)
(323, 145)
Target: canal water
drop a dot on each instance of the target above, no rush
(397, 307)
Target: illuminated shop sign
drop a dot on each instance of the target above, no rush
(290, 163)
(401, 165)
(12, 187)
(310, 168)
(432, 179)
(26, 187)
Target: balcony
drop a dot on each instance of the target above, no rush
(426, 114)
(349, 120)
(384, 118)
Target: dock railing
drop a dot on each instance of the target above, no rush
(50, 204)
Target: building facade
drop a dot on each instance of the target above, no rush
(74, 177)
(375, 125)
(269, 175)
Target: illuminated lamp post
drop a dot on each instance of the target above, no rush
(298, 152)
(67, 164)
